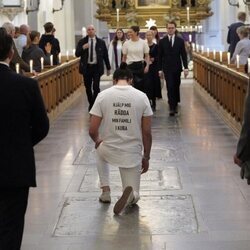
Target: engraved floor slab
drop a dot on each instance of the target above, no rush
(170, 214)
(153, 180)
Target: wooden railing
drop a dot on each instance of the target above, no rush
(58, 84)
(224, 83)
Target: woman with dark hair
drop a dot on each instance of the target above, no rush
(115, 49)
(156, 38)
(33, 52)
(135, 51)
(152, 79)
(125, 115)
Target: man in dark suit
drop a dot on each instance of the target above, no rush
(24, 123)
(172, 54)
(232, 36)
(93, 52)
(242, 156)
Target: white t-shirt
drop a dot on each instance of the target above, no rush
(121, 109)
(135, 50)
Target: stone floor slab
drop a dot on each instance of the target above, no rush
(168, 214)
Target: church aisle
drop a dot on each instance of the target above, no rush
(192, 198)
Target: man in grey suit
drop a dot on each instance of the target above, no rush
(242, 156)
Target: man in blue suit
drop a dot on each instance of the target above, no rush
(232, 36)
(24, 123)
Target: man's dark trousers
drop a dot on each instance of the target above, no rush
(92, 81)
(13, 204)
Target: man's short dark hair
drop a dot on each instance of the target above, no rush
(6, 44)
(135, 28)
(242, 16)
(172, 22)
(48, 27)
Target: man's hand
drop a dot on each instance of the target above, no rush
(161, 75)
(97, 143)
(146, 69)
(144, 166)
(237, 160)
(185, 73)
(85, 46)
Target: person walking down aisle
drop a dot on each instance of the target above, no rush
(242, 156)
(24, 123)
(172, 54)
(135, 51)
(232, 36)
(115, 49)
(152, 79)
(93, 52)
(125, 115)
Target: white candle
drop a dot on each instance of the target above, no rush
(197, 47)
(214, 53)
(17, 68)
(31, 66)
(195, 28)
(193, 46)
(202, 49)
(190, 38)
(60, 58)
(67, 55)
(51, 60)
(221, 56)
(42, 63)
(200, 28)
(188, 14)
(74, 53)
(228, 58)
(207, 52)
(237, 61)
(248, 65)
(117, 15)
(182, 28)
(186, 28)
(191, 28)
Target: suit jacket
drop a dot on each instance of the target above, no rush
(23, 124)
(243, 147)
(101, 54)
(232, 36)
(17, 59)
(172, 58)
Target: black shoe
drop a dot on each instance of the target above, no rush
(171, 112)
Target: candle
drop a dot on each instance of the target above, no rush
(214, 53)
(67, 55)
(197, 47)
(190, 38)
(186, 28)
(17, 68)
(31, 66)
(193, 46)
(207, 52)
(202, 49)
(74, 53)
(237, 61)
(51, 60)
(60, 58)
(248, 65)
(182, 28)
(42, 63)
(117, 15)
(188, 14)
(200, 28)
(221, 56)
(228, 58)
(195, 28)
(191, 28)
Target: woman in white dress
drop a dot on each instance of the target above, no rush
(115, 49)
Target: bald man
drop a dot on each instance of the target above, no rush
(94, 54)
(21, 41)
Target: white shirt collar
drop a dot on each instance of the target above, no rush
(5, 63)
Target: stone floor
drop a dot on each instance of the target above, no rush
(192, 198)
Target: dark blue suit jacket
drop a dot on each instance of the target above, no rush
(101, 53)
(232, 36)
(24, 123)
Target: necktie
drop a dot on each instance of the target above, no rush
(91, 49)
(171, 41)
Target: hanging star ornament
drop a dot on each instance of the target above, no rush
(150, 23)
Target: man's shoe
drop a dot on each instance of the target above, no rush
(105, 197)
(171, 112)
(122, 202)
